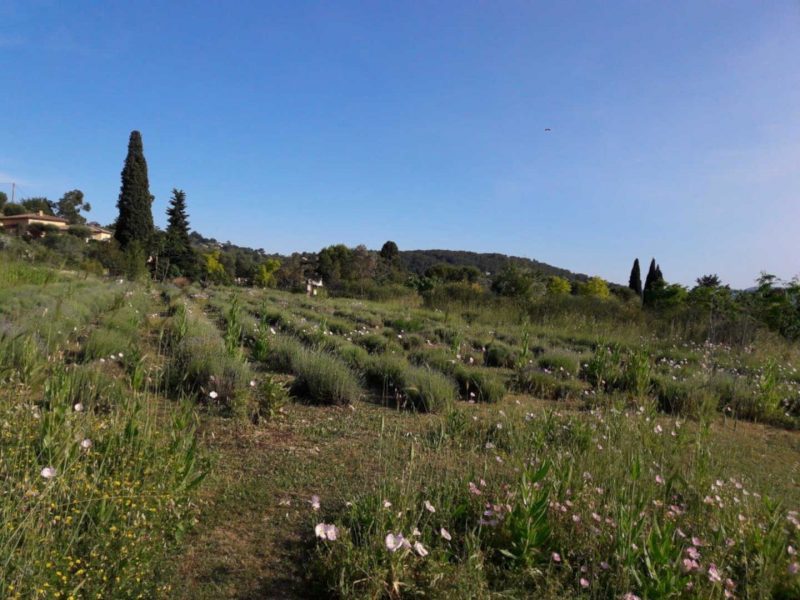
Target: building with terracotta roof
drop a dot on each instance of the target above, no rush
(35, 224)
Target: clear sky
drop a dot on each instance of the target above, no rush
(294, 125)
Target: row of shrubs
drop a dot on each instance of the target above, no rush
(199, 363)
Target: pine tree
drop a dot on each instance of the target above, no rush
(635, 281)
(178, 248)
(135, 221)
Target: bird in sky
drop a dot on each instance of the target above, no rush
(547, 129)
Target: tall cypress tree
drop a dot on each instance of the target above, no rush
(651, 276)
(178, 245)
(135, 221)
(635, 281)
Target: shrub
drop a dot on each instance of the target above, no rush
(419, 387)
(499, 354)
(373, 342)
(429, 391)
(270, 396)
(543, 385)
(353, 355)
(283, 352)
(686, 398)
(479, 385)
(200, 364)
(324, 378)
(562, 364)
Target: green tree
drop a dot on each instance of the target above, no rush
(513, 281)
(70, 205)
(653, 285)
(3, 201)
(178, 247)
(558, 286)
(709, 281)
(389, 251)
(14, 208)
(34, 205)
(214, 269)
(635, 280)
(265, 276)
(135, 221)
(595, 287)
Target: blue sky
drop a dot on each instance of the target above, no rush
(294, 125)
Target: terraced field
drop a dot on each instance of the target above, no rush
(231, 443)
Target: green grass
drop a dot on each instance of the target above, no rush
(572, 417)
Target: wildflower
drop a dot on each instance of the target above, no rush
(416, 532)
(420, 549)
(631, 596)
(576, 518)
(657, 429)
(252, 383)
(213, 395)
(387, 504)
(584, 583)
(48, 472)
(605, 566)
(794, 568)
(78, 407)
(713, 574)
(473, 489)
(690, 565)
(556, 557)
(692, 553)
(445, 534)
(429, 507)
(659, 480)
(791, 550)
(696, 541)
(315, 502)
(86, 444)
(326, 532)
(395, 542)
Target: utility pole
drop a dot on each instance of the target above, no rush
(13, 188)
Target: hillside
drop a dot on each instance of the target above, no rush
(418, 261)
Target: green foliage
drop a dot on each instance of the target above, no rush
(214, 270)
(499, 354)
(595, 287)
(514, 282)
(34, 205)
(635, 279)
(562, 364)
(178, 251)
(14, 208)
(265, 276)
(270, 396)
(558, 286)
(323, 378)
(544, 385)
(70, 205)
(389, 251)
(135, 221)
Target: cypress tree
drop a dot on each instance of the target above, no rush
(651, 276)
(178, 245)
(135, 221)
(635, 281)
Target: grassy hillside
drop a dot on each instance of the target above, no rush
(164, 441)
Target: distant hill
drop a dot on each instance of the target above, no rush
(418, 261)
